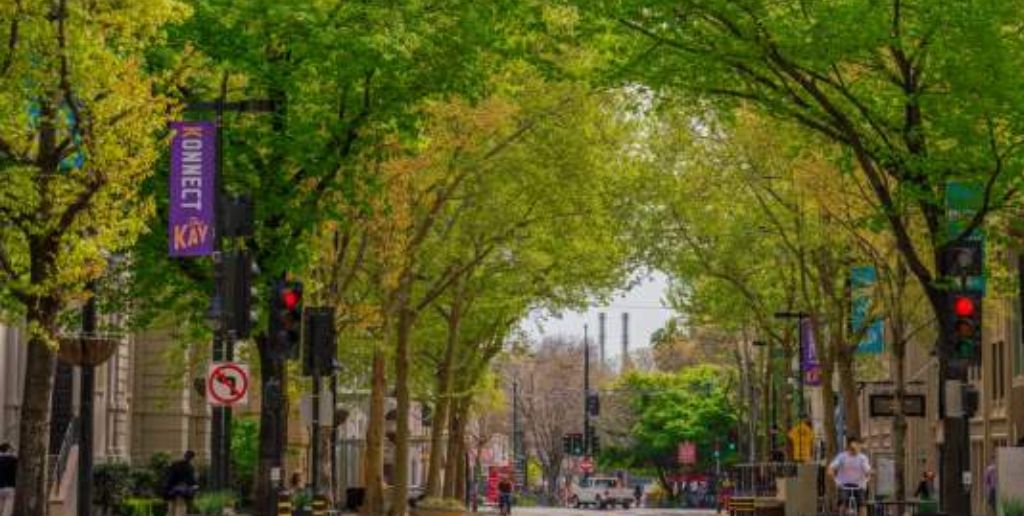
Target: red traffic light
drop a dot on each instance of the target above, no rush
(963, 307)
(290, 298)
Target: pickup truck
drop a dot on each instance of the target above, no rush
(603, 492)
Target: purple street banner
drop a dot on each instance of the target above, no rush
(811, 366)
(192, 189)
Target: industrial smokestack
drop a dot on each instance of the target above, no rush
(625, 341)
(601, 321)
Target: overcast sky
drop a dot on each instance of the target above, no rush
(646, 304)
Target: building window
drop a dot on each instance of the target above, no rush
(997, 378)
(1001, 370)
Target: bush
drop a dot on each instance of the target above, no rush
(215, 502)
(1012, 507)
(111, 485)
(440, 504)
(302, 499)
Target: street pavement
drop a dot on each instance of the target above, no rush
(562, 511)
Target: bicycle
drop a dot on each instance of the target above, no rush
(849, 499)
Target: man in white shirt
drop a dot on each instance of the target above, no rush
(851, 471)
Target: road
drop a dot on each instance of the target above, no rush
(560, 511)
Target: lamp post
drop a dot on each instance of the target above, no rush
(754, 407)
(799, 316)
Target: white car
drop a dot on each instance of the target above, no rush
(602, 492)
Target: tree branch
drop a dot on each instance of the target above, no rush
(12, 39)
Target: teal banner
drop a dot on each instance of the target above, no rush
(862, 283)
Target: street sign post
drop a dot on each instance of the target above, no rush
(884, 405)
(587, 465)
(227, 384)
(687, 453)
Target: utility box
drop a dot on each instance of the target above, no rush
(800, 493)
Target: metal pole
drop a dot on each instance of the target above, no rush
(220, 441)
(752, 396)
(586, 392)
(800, 377)
(314, 474)
(85, 414)
(515, 425)
(334, 436)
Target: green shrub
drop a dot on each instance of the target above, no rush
(1012, 507)
(302, 499)
(440, 504)
(215, 502)
(111, 485)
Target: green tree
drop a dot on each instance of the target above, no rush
(74, 146)
(345, 81)
(915, 93)
(696, 404)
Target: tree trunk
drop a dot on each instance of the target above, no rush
(767, 396)
(323, 460)
(273, 422)
(788, 395)
(848, 387)
(899, 422)
(33, 429)
(400, 487)
(457, 433)
(460, 470)
(373, 459)
(444, 381)
(829, 407)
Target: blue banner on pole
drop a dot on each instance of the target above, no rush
(871, 329)
(811, 366)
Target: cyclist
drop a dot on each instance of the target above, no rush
(505, 495)
(851, 471)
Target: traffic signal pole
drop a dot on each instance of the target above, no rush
(586, 393)
(220, 442)
(222, 345)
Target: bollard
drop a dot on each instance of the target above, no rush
(320, 506)
(284, 508)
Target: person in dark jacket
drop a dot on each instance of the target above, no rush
(8, 471)
(181, 484)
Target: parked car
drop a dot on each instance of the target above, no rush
(602, 492)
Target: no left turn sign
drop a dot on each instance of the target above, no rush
(227, 384)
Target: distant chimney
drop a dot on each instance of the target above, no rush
(601, 319)
(625, 341)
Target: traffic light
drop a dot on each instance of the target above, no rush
(572, 444)
(971, 398)
(593, 404)
(965, 322)
(595, 444)
(238, 291)
(286, 316)
(319, 343)
(237, 213)
(577, 445)
(734, 437)
(965, 259)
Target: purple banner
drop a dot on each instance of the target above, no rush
(193, 189)
(811, 366)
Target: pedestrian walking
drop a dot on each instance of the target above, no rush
(8, 472)
(991, 480)
(181, 485)
(638, 494)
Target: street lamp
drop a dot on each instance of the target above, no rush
(799, 316)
